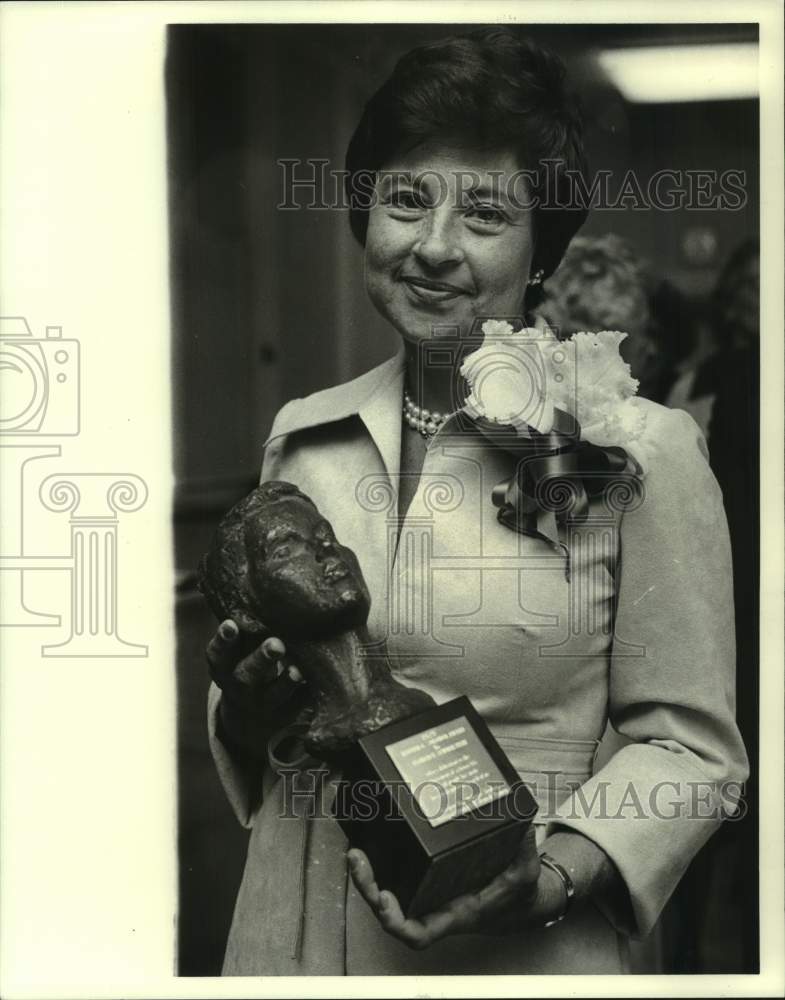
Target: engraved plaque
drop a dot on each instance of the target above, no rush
(435, 804)
(448, 770)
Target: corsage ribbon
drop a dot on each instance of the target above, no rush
(557, 472)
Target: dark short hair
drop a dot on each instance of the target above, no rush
(493, 89)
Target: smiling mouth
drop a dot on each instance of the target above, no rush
(432, 291)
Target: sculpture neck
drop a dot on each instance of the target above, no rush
(352, 693)
(336, 668)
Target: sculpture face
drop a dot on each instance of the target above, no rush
(275, 564)
(303, 578)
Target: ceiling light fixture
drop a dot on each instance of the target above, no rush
(663, 74)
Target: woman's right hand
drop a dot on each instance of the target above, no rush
(257, 685)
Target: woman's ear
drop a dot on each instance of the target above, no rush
(533, 295)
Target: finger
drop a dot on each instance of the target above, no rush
(363, 877)
(273, 648)
(528, 844)
(255, 672)
(527, 861)
(466, 913)
(513, 884)
(469, 912)
(221, 650)
(416, 933)
(392, 918)
(460, 915)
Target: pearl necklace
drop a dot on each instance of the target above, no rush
(425, 421)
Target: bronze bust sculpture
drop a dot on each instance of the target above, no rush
(275, 567)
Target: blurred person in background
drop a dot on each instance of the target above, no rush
(726, 871)
(684, 335)
(734, 452)
(730, 373)
(601, 284)
(730, 341)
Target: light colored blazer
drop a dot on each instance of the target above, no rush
(641, 634)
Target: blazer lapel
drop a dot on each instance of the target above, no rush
(375, 397)
(381, 414)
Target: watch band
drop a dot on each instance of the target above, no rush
(569, 886)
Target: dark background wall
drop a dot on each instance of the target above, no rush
(269, 304)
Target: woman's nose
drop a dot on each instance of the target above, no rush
(438, 243)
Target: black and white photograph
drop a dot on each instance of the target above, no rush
(392, 489)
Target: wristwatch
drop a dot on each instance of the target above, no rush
(569, 886)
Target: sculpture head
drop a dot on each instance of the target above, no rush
(275, 564)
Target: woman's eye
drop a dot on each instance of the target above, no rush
(282, 552)
(406, 201)
(487, 215)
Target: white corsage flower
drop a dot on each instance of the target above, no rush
(509, 379)
(520, 377)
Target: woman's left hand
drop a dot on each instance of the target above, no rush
(523, 895)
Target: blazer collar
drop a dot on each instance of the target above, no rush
(375, 397)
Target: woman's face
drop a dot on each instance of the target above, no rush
(450, 240)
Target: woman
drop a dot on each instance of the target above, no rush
(547, 634)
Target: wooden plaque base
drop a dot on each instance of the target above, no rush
(435, 804)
